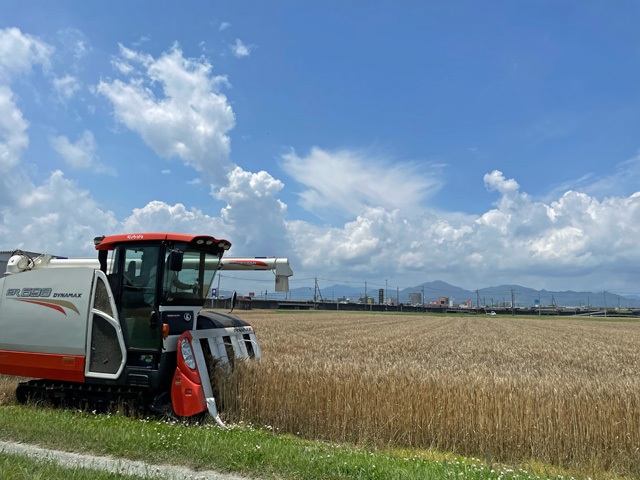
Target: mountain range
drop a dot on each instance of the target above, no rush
(501, 294)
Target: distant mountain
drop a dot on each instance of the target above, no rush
(497, 295)
(527, 297)
(434, 290)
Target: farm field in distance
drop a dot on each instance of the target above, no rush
(558, 391)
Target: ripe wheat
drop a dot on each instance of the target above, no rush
(563, 392)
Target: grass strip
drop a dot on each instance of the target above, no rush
(19, 467)
(246, 451)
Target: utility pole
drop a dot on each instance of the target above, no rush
(513, 303)
(422, 298)
(398, 297)
(539, 302)
(477, 300)
(365, 295)
(315, 293)
(604, 294)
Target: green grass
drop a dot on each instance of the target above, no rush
(243, 450)
(19, 467)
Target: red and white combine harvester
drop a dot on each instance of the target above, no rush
(125, 326)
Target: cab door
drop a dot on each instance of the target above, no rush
(106, 355)
(138, 301)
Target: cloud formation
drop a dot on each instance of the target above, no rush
(350, 181)
(19, 52)
(159, 216)
(13, 130)
(253, 214)
(190, 120)
(241, 50)
(66, 86)
(518, 239)
(82, 154)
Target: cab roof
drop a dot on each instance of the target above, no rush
(110, 242)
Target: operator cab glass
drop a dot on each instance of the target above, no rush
(189, 285)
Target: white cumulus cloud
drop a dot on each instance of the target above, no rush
(190, 120)
(81, 154)
(56, 217)
(253, 214)
(13, 130)
(159, 216)
(576, 240)
(19, 52)
(240, 50)
(66, 86)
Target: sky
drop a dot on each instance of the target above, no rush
(476, 142)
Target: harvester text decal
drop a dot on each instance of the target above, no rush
(29, 292)
(40, 296)
(243, 329)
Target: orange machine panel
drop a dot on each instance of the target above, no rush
(42, 365)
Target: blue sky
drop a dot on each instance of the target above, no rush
(475, 142)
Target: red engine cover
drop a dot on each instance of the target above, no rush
(187, 394)
(187, 397)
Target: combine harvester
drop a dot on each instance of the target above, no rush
(127, 326)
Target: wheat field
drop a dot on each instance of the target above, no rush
(564, 392)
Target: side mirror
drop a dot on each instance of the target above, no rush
(234, 299)
(175, 260)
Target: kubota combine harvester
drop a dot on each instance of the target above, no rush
(127, 326)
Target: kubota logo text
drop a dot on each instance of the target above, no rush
(135, 237)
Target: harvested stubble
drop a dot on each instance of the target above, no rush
(563, 392)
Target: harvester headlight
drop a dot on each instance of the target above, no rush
(187, 354)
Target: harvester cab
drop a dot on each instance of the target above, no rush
(129, 326)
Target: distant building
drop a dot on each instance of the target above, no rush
(443, 301)
(415, 298)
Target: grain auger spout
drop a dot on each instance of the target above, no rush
(128, 325)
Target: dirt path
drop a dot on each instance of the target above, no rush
(112, 464)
